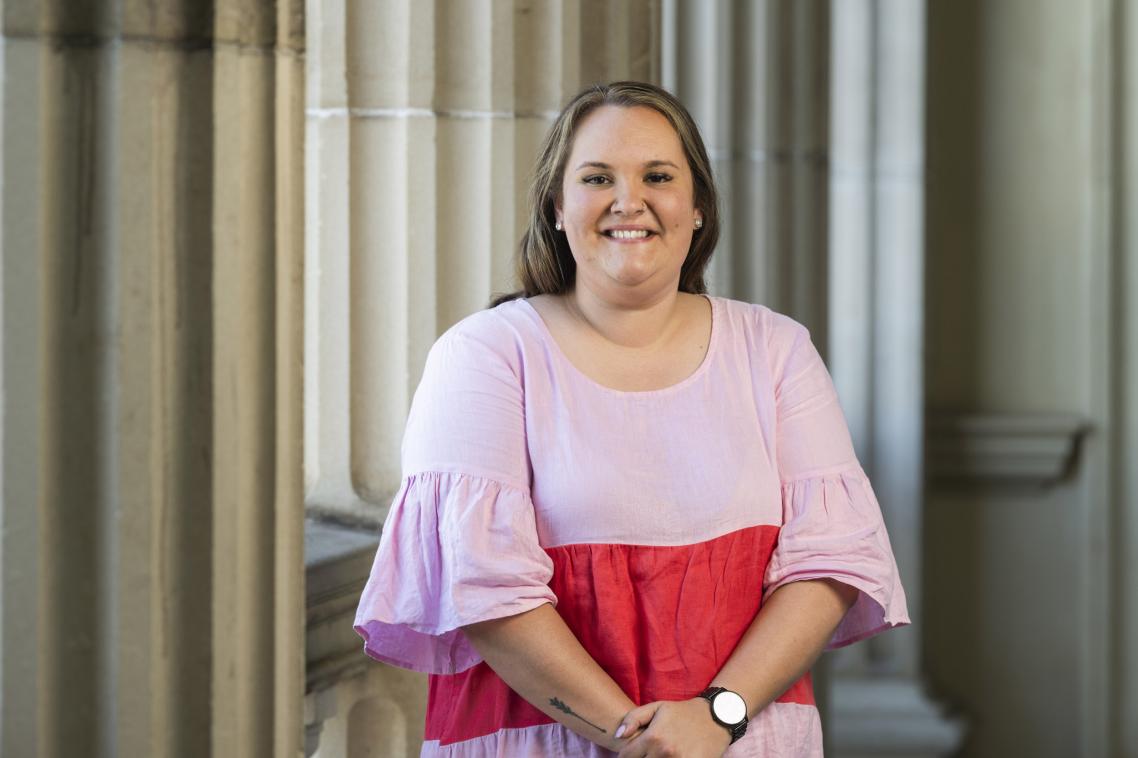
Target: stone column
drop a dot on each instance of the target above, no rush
(814, 114)
(1123, 349)
(754, 75)
(423, 123)
(424, 120)
(877, 322)
(150, 563)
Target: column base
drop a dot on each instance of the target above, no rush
(872, 717)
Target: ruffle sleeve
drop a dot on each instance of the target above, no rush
(833, 530)
(455, 549)
(460, 543)
(832, 525)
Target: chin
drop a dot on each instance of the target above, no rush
(634, 278)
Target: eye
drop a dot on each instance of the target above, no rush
(658, 177)
(595, 179)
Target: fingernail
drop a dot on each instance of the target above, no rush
(619, 731)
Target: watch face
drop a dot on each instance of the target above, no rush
(729, 707)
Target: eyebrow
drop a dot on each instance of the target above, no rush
(649, 164)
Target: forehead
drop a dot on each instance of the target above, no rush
(635, 134)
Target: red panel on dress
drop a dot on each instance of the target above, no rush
(661, 621)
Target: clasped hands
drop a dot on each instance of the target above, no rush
(672, 729)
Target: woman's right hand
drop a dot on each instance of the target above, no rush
(667, 728)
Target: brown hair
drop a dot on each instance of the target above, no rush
(544, 263)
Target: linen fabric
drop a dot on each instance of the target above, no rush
(656, 522)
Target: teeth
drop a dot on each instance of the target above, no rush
(628, 234)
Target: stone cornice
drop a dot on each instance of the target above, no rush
(1027, 449)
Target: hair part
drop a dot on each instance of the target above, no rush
(544, 264)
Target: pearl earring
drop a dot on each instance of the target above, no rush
(557, 225)
(699, 223)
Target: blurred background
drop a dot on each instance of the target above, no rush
(232, 229)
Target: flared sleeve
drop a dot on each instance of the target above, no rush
(459, 544)
(832, 526)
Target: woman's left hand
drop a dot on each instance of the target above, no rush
(674, 728)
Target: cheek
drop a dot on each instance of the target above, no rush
(576, 203)
(682, 216)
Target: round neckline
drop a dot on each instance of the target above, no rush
(702, 368)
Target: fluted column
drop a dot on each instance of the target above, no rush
(424, 119)
(258, 266)
(151, 585)
(1124, 349)
(877, 352)
(755, 76)
(814, 114)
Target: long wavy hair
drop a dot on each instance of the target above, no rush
(544, 263)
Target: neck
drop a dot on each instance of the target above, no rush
(642, 325)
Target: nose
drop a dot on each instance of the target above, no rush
(629, 201)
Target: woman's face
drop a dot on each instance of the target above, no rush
(627, 202)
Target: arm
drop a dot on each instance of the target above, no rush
(785, 639)
(537, 655)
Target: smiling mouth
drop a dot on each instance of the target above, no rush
(628, 234)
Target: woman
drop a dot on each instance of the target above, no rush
(632, 516)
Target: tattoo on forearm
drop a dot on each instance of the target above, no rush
(566, 709)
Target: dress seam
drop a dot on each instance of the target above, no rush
(830, 472)
(486, 477)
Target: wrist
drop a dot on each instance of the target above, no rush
(614, 741)
(719, 735)
(728, 710)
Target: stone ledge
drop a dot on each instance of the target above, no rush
(1024, 449)
(337, 561)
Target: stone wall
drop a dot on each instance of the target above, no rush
(151, 565)
(1032, 354)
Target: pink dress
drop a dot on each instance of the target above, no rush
(656, 522)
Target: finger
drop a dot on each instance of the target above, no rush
(636, 719)
(638, 748)
(631, 734)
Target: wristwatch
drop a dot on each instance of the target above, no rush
(727, 708)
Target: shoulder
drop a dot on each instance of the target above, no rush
(774, 344)
(491, 336)
(762, 326)
(468, 413)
